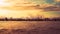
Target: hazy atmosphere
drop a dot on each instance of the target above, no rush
(29, 16)
(29, 8)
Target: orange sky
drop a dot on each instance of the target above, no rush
(11, 9)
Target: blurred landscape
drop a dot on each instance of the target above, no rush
(29, 27)
(29, 16)
(30, 19)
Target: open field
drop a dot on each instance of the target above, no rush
(29, 27)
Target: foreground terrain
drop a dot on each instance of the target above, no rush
(29, 27)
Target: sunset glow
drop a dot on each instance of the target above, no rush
(24, 9)
(3, 3)
(29, 16)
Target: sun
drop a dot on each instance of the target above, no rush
(4, 3)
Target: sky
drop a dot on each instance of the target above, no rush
(9, 9)
(43, 1)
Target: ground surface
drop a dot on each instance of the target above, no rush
(29, 27)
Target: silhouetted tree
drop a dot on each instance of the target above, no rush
(6, 18)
